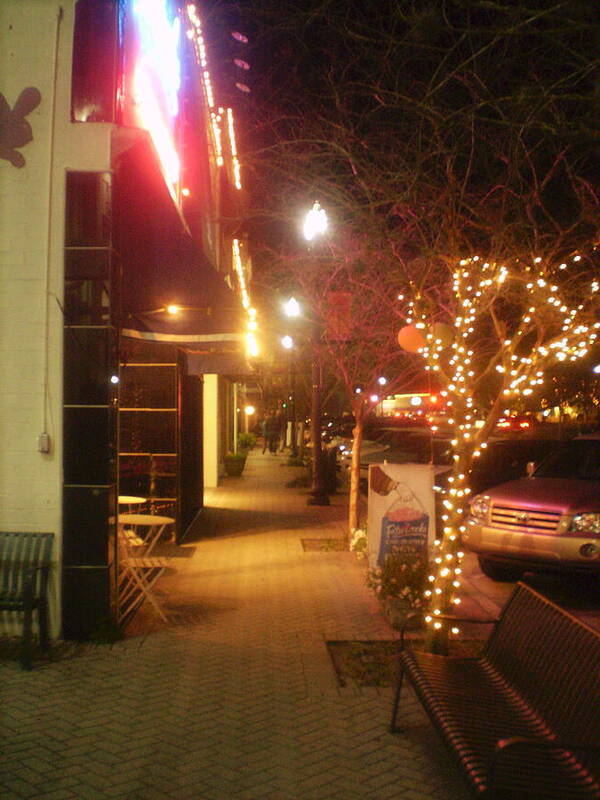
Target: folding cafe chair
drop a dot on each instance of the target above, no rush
(137, 575)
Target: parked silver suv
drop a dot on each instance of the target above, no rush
(548, 521)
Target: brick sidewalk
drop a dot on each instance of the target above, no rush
(236, 696)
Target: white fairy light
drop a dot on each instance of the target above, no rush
(563, 336)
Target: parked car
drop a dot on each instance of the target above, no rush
(369, 442)
(404, 447)
(548, 521)
(341, 438)
(517, 423)
(503, 460)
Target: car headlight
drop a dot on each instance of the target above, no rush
(480, 507)
(588, 524)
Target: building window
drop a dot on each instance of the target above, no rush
(87, 255)
(95, 49)
(88, 209)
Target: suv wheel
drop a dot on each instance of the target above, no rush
(499, 572)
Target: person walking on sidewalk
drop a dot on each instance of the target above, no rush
(271, 436)
(263, 432)
(280, 422)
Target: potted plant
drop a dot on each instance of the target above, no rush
(246, 441)
(359, 542)
(399, 584)
(235, 463)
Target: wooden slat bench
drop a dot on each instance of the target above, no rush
(24, 571)
(523, 719)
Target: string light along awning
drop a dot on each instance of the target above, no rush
(169, 290)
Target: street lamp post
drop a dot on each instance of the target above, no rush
(315, 225)
(288, 343)
(318, 496)
(294, 431)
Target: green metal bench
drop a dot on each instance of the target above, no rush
(24, 571)
(523, 719)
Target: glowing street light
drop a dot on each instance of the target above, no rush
(287, 342)
(292, 307)
(249, 410)
(315, 222)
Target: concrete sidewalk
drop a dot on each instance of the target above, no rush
(236, 696)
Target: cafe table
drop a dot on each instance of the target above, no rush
(148, 527)
(131, 500)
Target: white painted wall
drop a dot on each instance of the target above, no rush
(35, 50)
(211, 431)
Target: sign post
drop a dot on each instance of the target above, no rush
(401, 514)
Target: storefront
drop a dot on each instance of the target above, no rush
(131, 278)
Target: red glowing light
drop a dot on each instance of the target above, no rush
(153, 80)
(154, 121)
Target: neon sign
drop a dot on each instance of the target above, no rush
(157, 80)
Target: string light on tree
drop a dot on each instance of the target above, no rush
(510, 323)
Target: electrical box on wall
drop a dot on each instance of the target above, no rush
(44, 443)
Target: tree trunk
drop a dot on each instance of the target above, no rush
(454, 524)
(354, 495)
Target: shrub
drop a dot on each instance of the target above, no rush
(403, 576)
(358, 542)
(246, 441)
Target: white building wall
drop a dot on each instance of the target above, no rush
(211, 431)
(35, 51)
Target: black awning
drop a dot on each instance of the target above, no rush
(162, 265)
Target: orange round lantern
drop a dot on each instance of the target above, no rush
(411, 339)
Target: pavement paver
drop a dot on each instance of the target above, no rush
(235, 696)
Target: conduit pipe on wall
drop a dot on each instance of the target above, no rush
(44, 445)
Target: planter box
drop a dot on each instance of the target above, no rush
(234, 465)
